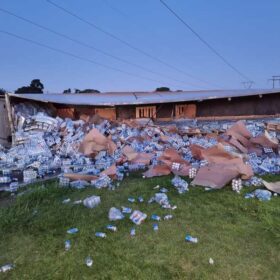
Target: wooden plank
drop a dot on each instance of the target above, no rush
(106, 113)
(10, 117)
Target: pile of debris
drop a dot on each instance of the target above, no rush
(94, 151)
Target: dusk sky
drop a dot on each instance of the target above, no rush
(246, 33)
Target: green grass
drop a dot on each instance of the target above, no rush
(242, 236)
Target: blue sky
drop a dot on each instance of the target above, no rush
(245, 32)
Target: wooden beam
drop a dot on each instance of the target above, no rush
(10, 117)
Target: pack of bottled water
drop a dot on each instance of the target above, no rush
(180, 184)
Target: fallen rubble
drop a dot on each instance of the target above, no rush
(95, 152)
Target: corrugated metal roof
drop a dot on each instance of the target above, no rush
(135, 98)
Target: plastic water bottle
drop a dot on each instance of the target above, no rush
(155, 227)
(72, 230)
(67, 244)
(191, 239)
(262, 195)
(92, 201)
(100, 234)
(126, 210)
(133, 232)
(168, 217)
(6, 267)
(111, 228)
(65, 201)
(155, 217)
(89, 261)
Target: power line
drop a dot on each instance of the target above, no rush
(205, 42)
(90, 46)
(275, 79)
(76, 56)
(109, 34)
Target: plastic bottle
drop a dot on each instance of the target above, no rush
(92, 201)
(72, 230)
(155, 217)
(133, 232)
(88, 261)
(111, 228)
(100, 234)
(167, 217)
(155, 227)
(67, 244)
(191, 239)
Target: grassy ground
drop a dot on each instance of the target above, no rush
(242, 236)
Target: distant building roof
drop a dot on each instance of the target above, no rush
(135, 98)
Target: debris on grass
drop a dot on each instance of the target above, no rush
(262, 195)
(133, 232)
(126, 210)
(89, 261)
(100, 234)
(155, 217)
(72, 230)
(115, 214)
(155, 227)
(111, 228)
(7, 267)
(67, 245)
(92, 201)
(94, 152)
(137, 217)
(191, 239)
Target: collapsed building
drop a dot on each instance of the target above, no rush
(62, 134)
(160, 106)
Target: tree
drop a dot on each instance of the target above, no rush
(88, 90)
(2, 91)
(162, 89)
(35, 87)
(67, 90)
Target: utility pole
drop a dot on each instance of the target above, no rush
(248, 84)
(275, 79)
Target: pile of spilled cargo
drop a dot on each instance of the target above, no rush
(94, 152)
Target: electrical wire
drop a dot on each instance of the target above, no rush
(75, 56)
(205, 42)
(93, 47)
(126, 43)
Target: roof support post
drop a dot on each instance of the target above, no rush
(10, 117)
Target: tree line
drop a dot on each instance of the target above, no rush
(36, 86)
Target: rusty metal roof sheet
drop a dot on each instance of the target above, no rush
(137, 98)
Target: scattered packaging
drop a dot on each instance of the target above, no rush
(137, 217)
(92, 201)
(115, 214)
